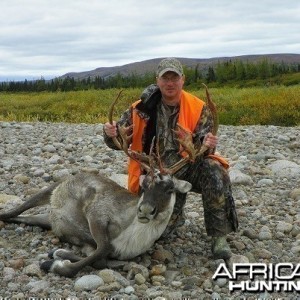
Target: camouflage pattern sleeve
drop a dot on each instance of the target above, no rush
(204, 126)
(125, 120)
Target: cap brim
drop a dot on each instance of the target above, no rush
(161, 73)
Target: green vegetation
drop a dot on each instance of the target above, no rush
(74, 107)
(276, 105)
(273, 105)
(246, 93)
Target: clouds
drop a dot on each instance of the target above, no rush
(50, 38)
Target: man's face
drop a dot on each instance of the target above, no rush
(170, 84)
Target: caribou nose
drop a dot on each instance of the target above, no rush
(146, 213)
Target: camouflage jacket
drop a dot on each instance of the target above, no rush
(161, 120)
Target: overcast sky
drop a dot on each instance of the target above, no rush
(50, 38)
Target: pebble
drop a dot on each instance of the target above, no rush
(265, 175)
(32, 270)
(88, 283)
(38, 286)
(107, 275)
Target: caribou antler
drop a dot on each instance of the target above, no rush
(122, 140)
(185, 138)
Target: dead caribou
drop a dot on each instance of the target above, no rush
(103, 218)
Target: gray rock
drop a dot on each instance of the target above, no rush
(32, 270)
(265, 235)
(8, 274)
(88, 283)
(39, 172)
(295, 194)
(49, 148)
(38, 286)
(284, 227)
(129, 290)
(285, 168)
(237, 177)
(265, 181)
(60, 174)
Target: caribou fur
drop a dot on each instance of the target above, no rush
(103, 218)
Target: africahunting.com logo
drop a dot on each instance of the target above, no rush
(260, 277)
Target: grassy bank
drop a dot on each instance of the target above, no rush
(276, 105)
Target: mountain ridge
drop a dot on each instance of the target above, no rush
(146, 66)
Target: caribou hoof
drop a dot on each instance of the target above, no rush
(61, 267)
(62, 254)
(47, 265)
(51, 253)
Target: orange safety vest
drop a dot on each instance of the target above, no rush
(189, 112)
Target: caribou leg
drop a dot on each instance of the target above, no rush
(67, 268)
(41, 198)
(41, 220)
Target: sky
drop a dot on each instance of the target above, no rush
(42, 38)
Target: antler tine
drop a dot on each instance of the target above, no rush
(177, 166)
(146, 161)
(186, 138)
(152, 158)
(143, 159)
(116, 141)
(213, 109)
(112, 106)
(162, 170)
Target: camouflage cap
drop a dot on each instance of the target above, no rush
(169, 64)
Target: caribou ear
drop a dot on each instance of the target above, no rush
(182, 186)
(141, 179)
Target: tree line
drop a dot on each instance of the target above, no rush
(232, 71)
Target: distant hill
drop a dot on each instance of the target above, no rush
(150, 65)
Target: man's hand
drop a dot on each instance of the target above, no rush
(210, 140)
(111, 129)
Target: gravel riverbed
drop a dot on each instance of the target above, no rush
(265, 174)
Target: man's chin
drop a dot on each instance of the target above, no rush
(170, 94)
